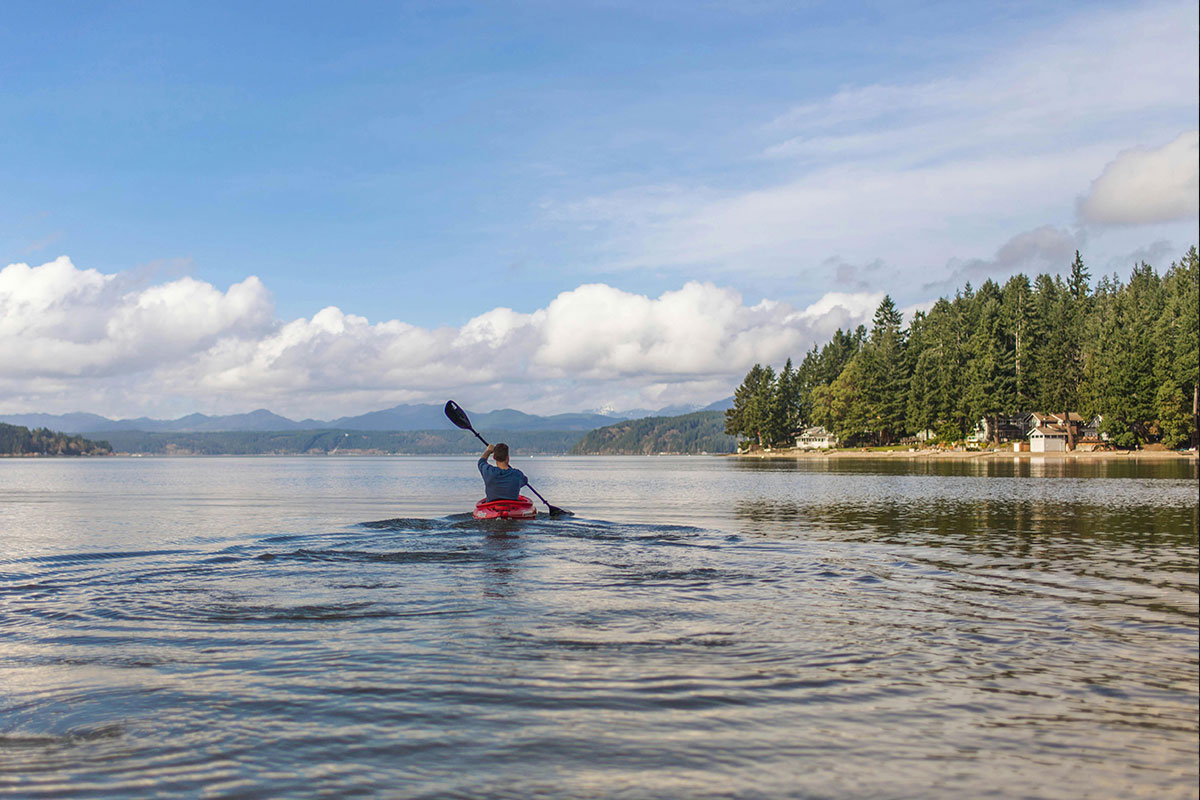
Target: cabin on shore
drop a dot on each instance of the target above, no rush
(815, 438)
(1050, 433)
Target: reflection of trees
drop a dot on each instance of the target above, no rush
(1039, 529)
(990, 467)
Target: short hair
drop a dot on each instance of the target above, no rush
(501, 452)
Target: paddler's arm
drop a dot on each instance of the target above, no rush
(483, 459)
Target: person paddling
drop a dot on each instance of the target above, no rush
(459, 417)
(502, 482)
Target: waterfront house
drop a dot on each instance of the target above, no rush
(816, 438)
(1048, 437)
(1008, 428)
(1041, 420)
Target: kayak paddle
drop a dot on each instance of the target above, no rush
(460, 418)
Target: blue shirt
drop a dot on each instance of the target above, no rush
(501, 484)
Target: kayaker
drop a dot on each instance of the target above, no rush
(501, 481)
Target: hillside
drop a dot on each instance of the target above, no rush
(333, 442)
(698, 432)
(17, 440)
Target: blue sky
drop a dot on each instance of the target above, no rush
(437, 165)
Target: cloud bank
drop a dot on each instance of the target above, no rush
(77, 339)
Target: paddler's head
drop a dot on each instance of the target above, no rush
(501, 455)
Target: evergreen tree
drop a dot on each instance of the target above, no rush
(850, 416)
(884, 375)
(785, 416)
(1173, 424)
(921, 413)
(805, 382)
(752, 404)
(1077, 284)
(1130, 401)
(1181, 337)
(1019, 326)
(991, 385)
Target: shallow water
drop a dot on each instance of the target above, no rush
(703, 627)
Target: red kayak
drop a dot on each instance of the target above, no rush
(521, 508)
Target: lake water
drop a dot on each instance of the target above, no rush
(704, 627)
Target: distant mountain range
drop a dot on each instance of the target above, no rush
(398, 418)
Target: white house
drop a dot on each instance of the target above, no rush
(1048, 439)
(816, 439)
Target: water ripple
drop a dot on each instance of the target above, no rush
(848, 635)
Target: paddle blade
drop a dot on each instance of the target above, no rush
(555, 511)
(458, 416)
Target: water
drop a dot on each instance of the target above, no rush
(337, 627)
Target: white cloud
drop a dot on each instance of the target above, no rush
(925, 175)
(59, 320)
(69, 335)
(1146, 185)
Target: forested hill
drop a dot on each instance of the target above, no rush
(16, 440)
(698, 432)
(337, 442)
(1124, 352)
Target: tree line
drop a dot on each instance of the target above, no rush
(1124, 351)
(17, 440)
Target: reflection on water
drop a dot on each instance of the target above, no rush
(705, 628)
(998, 466)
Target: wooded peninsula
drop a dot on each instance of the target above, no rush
(16, 440)
(1125, 353)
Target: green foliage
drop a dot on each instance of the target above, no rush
(881, 385)
(1126, 352)
(756, 412)
(16, 440)
(699, 432)
(1171, 409)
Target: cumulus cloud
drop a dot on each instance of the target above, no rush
(1146, 185)
(59, 320)
(68, 334)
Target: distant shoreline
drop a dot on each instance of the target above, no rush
(966, 455)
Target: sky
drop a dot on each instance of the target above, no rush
(328, 209)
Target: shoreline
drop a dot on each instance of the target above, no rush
(966, 455)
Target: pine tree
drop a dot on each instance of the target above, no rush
(991, 383)
(1078, 282)
(885, 377)
(1017, 319)
(850, 415)
(785, 418)
(1181, 320)
(750, 416)
(1130, 390)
